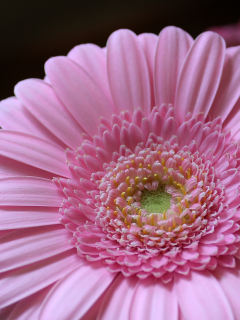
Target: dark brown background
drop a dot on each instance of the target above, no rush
(31, 31)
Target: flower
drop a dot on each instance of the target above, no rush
(230, 33)
(135, 148)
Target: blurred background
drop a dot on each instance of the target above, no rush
(31, 31)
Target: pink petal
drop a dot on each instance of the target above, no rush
(14, 116)
(40, 99)
(229, 89)
(29, 191)
(10, 167)
(26, 246)
(232, 120)
(169, 129)
(29, 308)
(128, 72)
(33, 151)
(152, 300)
(201, 297)
(183, 134)
(74, 295)
(118, 298)
(25, 217)
(19, 284)
(79, 92)
(172, 47)
(92, 58)
(200, 75)
(229, 281)
(148, 42)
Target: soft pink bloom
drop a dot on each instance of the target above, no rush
(230, 33)
(80, 151)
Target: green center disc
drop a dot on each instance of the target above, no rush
(155, 201)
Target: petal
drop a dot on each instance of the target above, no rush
(19, 284)
(200, 297)
(92, 58)
(14, 116)
(79, 92)
(232, 121)
(74, 295)
(117, 300)
(29, 191)
(152, 298)
(172, 47)
(200, 75)
(33, 151)
(229, 88)
(229, 280)
(29, 308)
(128, 72)
(40, 99)
(22, 247)
(25, 217)
(148, 42)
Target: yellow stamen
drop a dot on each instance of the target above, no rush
(163, 162)
(144, 180)
(140, 212)
(165, 169)
(125, 221)
(136, 180)
(149, 167)
(127, 166)
(194, 218)
(181, 228)
(179, 199)
(140, 165)
(174, 224)
(139, 221)
(182, 159)
(183, 191)
(156, 176)
(115, 182)
(159, 152)
(164, 215)
(128, 180)
(181, 169)
(129, 201)
(179, 207)
(108, 208)
(186, 203)
(115, 212)
(133, 162)
(144, 231)
(170, 179)
(129, 191)
(184, 220)
(124, 211)
(169, 229)
(123, 195)
(188, 174)
(152, 219)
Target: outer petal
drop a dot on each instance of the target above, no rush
(22, 247)
(200, 75)
(172, 47)
(128, 72)
(148, 42)
(92, 58)
(200, 297)
(40, 99)
(29, 191)
(29, 308)
(19, 284)
(79, 92)
(33, 151)
(76, 293)
(14, 116)
(117, 300)
(233, 119)
(152, 300)
(25, 217)
(229, 87)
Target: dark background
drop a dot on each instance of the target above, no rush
(31, 31)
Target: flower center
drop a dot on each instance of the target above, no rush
(155, 201)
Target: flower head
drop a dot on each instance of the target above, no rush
(120, 182)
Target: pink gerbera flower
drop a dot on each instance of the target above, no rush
(120, 183)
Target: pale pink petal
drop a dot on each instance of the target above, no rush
(29, 191)
(200, 75)
(14, 116)
(40, 99)
(172, 47)
(29, 307)
(148, 42)
(74, 295)
(230, 282)
(92, 58)
(229, 89)
(128, 72)
(153, 300)
(118, 298)
(10, 167)
(201, 297)
(34, 151)
(21, 283)
(79, 92)
(233, 119)
(5, 312)
(26, 217)
(22, 247)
